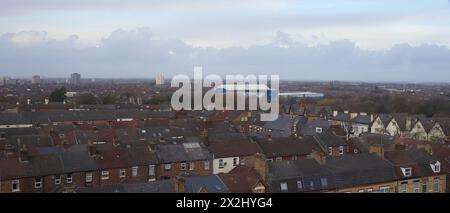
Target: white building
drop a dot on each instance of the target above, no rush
(75, 78)
(159, 79)
(2, 81)
(36, 79)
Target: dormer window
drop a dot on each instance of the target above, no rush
(436, 167)
(318, 130)
(406, 171)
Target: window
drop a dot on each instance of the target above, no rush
(324, 182)
(221, 164)
(416, 186)
(58, 179)
(105, 175)
(168, 166)
(69, 178)
(436, 167)
(284, 187)
(299, 185)
(424, 186)
(151, 170)
(206, 164)
(89, 177)
(134, 171)
(235, 161)
(341, 150)
(15, 186)
(278, 159)
(183, 166)
(406, 171)
(122, 173)
(436, 186)
(404, 187)
(384, 189)
(330, 150)
(38, 183)
(191, 166)
(369, 190)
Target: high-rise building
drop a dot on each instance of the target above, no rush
(2, 81)
(159, 80)
(75, 78)
(36, 79)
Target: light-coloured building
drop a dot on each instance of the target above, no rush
(159, 79)
(75, 78)
(36, 79)
(2, 81)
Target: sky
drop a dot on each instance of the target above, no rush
(348, 40)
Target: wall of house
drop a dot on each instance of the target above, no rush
(375, 188)
(49, 185)
(227, 167)
(393, 128)
(436, 133)
(199, 169)
(418, 132)
(377, 127)
(360, 128)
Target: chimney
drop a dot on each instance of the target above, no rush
(363, 113)
(335, 113)
(353, 115)
(28, 101)
(46, 101)
(346, 111)
(180, 185)
(23, 155)
(371, 117)
(408, 123)
(91, 149)
(261, 166)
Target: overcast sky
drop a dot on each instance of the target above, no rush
(367, 40)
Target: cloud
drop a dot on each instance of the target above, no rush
(36, 6)
(141, 53)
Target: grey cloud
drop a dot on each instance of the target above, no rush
(34, 6)
(140, 53)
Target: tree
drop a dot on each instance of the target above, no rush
(58, 95)
(87, 98)
(109, 98)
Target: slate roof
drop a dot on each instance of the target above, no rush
(329, 139)
(240, 180)
(309, 128)
(339, 172)
(360, 169)
(278, 147)
(362, 119)
(233, 146)
(80, 115)
(160, 186)
(212, 183)
(182, 152)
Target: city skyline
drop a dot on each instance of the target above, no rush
(406, 41)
